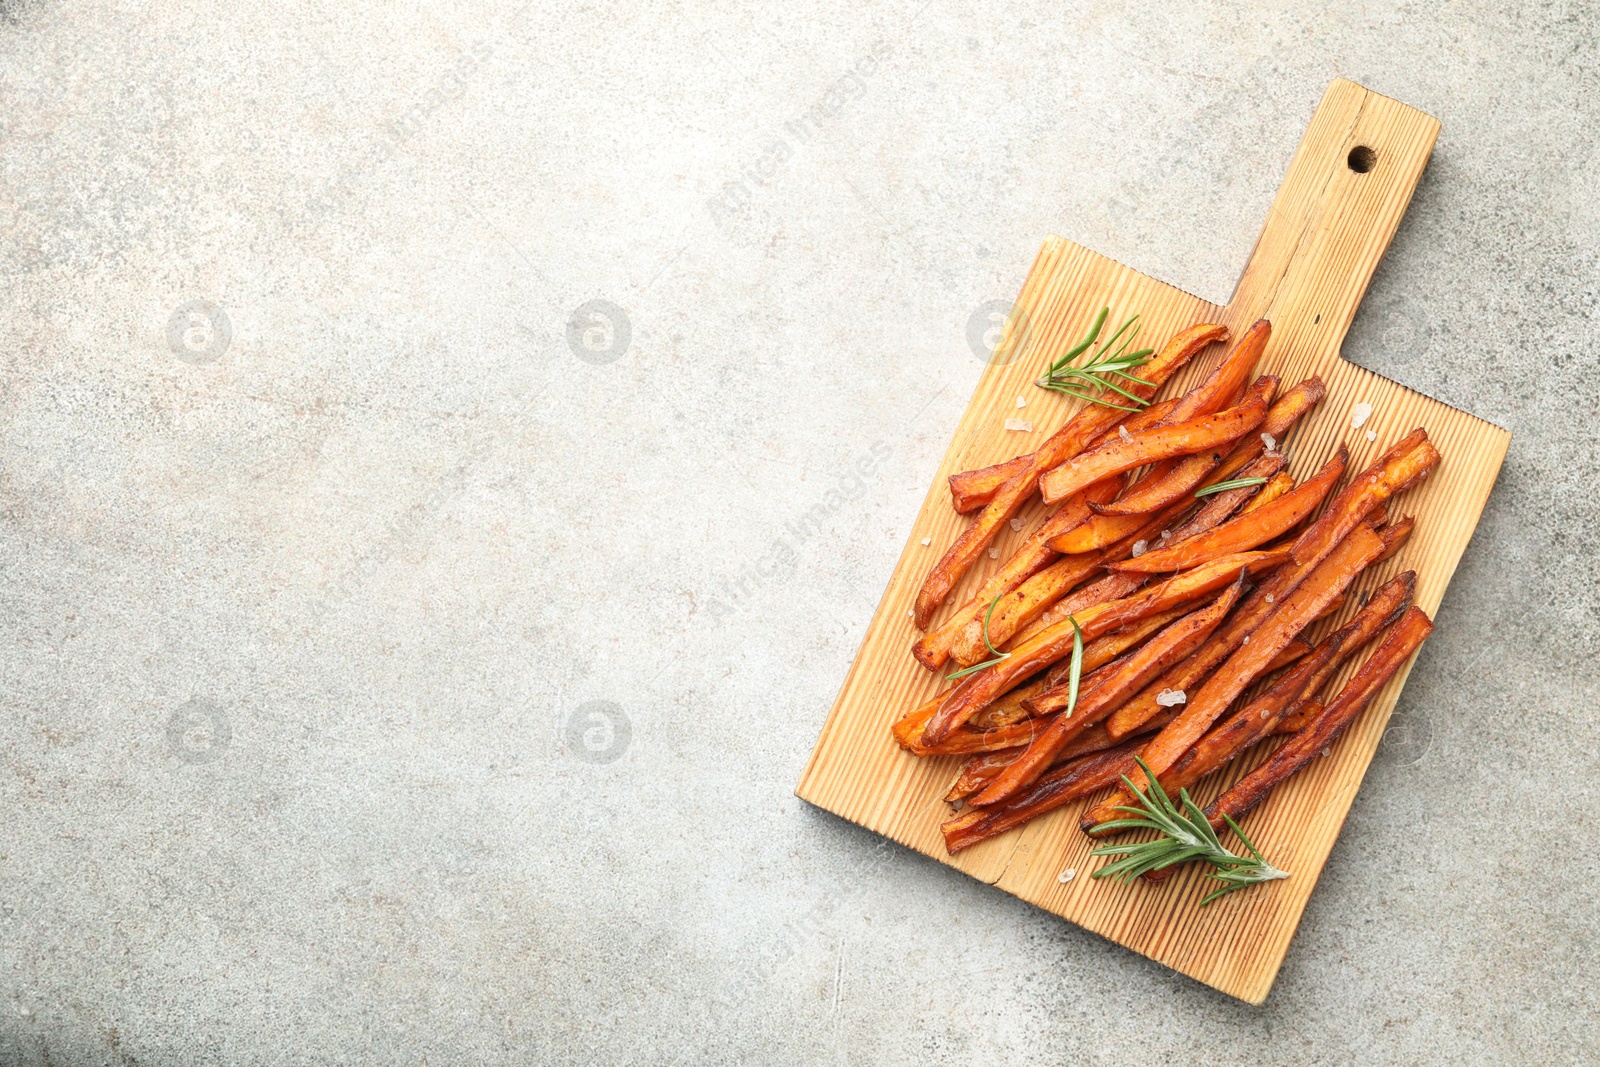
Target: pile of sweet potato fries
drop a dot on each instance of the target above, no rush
(1192, 609)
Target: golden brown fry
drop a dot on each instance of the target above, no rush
(1111, 587)
(1219, 507)
(1296, 610)
(1152, 446)
(1261, 716)
(1048, 646)
(1406, 463)
(1050, 792)
(1080, 430)
(1182, 479)
(932, 650)
(1107, 647)
(1296, 718)
(1287, 410)
(1227, 381)
(1097, 701)
(1249, 530)
(1022, 605)
(1009, 709)
(1294, 651)
(1398, 645)
(1395, 535)
(982, 769)
(1277, 486)
(964, 741)
(971, 490)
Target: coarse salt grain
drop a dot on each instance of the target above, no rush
(1166, 535)
(1139, 547)
(1270, 441)
(1021, 403)
(1360, 414)
(1168, 698)
(1326, 751)
(1269, 598)
(1122, 432)
(1372, 435)
(1016, 524)
(1263, 713)
(927, 541)
(1247, 639)
(994, 553)
(1019, 424)
(1066, 876)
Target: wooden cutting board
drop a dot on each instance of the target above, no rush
(1346, 189)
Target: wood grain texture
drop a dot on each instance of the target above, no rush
(1328, 228)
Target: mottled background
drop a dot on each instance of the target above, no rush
(407, 659)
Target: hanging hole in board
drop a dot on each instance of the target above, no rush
(1361, 158)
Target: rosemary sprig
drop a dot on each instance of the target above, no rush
(1076, 668)
(1185, 835)
(1113, 358)
(998, 655)
(1237, 483)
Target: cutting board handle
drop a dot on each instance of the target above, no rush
(1333, 218)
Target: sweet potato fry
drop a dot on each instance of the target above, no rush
(1152, 446)
(1227, 380)
(1047, 610)
(964, 741)
(1183, 678)
(1050, 792)
(1096, 532)
(1402, 639)
(1011, 708)
(1258, 648)
(1293, 652)
(932, 650)
(1297, 717)
(1022, 605)
(1184, 477)
(982, 769)
(1048, 646)
(1097, 701)
(1261, 716)
(1249, 530)
(1220, 507)
(1287, 410)
(1277, 486)
(1111, 587)
(1107, 647)
(907, 729)
(1395, 535)
(1080, 430)
(1406, 463)
(971, 490)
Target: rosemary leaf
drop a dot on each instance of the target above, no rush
(1237, 483)
(998, 655)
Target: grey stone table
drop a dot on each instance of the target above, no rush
(448, 458)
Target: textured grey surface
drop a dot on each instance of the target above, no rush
(382, 682)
